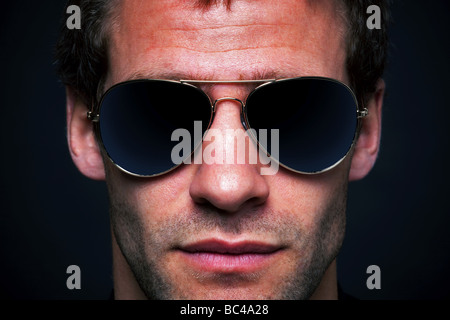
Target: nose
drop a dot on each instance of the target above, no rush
(228, 186)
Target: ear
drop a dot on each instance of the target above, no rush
(368, 144)
(81, 138)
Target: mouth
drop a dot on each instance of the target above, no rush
(220, 256)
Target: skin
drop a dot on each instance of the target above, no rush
(303, 215)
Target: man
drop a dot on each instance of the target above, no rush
(222, 230)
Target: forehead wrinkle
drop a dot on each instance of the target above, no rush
(215, 42)
(213, 17)
(150, 33)
(184, 33)
(256, 25)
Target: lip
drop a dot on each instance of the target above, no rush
(220, 256)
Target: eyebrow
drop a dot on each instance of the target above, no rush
(208, 81)
(255, 75)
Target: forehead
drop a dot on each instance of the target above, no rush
(250, 39)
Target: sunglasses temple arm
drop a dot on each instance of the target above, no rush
(362, 113)
(92, 116)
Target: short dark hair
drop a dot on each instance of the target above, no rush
(81, 55)
(367, 49)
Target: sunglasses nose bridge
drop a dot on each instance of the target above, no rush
(227, 99)
(232, 99)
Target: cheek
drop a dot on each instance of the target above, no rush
(311, 198)
(151, 198)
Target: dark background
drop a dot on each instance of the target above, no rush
(52, 217)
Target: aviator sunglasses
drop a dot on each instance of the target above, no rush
(317, 118)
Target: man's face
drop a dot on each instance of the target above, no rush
(224, 231)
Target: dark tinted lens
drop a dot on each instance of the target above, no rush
(137, 120)
(316, 119)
